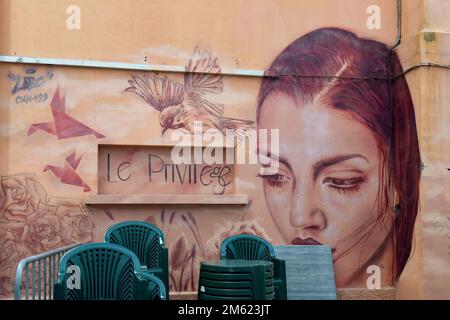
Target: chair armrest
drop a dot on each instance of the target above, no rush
(165, 268)
(149, 287)
(279, 275)
(58, 292)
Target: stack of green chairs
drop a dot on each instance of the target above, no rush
(236, 280)
(147, 242)
(251, 247)
(103, 271)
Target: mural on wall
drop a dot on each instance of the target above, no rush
(182, 104)
(349, 162)
(32, 221)
(185, 257)
(63, 125)
(68, 172)
(328, 93)
(364, 211)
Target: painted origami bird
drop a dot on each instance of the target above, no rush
(182, 104)
(63, 126)
(67, 174)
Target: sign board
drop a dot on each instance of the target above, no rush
(154, 170)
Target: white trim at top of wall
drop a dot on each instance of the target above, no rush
(119, 65)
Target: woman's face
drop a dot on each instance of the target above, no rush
(327, 184)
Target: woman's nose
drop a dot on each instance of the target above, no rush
(306, 211)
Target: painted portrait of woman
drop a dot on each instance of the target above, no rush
(349, 162)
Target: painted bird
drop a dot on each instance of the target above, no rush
(67, 174)
(63, 126)
(182, 104)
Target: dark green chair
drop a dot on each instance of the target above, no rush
(236, 280)
(147, 242)
(251, 247)
(105, 272)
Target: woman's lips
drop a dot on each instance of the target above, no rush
(308, 242)
(305, 242)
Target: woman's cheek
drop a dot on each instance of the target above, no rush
(349, 210)
(279, 204)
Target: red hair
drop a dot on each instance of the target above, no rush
(365, 78)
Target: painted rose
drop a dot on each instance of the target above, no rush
(21, 195)
(10, 251)
(32, 223)
(77, 225)
(5, 286)
(230, 228)
(42, 231)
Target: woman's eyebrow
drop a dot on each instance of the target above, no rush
(320, 165)
(275, 157)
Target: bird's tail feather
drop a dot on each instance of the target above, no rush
(240, 128)
(234, 123)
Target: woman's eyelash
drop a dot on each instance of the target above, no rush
(276, 180)
(345, 185)
(340, 185)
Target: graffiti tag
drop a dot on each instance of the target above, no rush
(37, 98)
(29, 81)
(443, 227)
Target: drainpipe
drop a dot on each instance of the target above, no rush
(399, 25)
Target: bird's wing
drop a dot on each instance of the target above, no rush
(203, 74)
(194, 112)
(212, 110)
(73, 161)
(69, 176)
(68, 127)
(58, 101)
(158, 92)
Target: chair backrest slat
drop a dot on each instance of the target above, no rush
(142, 238)
(106, 271)
(247, 247)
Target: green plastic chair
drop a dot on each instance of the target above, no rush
(147, 242)
(236, 280)
(251, 247)
(106, 272)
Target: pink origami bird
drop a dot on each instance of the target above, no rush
(67, 174)
(63, 125)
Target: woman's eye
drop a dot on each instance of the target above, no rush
(276, 180)
(344, 185)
